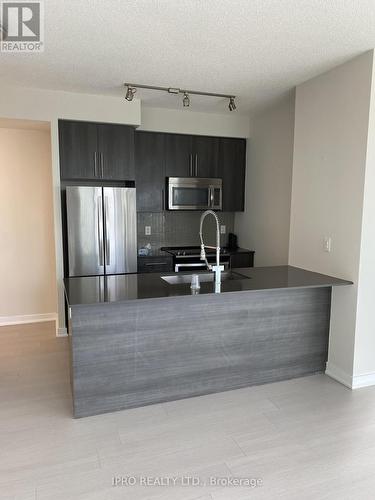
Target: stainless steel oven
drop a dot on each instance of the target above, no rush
(194, 193)
(188, 258)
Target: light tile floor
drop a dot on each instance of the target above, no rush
(308, 438)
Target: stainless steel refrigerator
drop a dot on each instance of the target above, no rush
(102, 230)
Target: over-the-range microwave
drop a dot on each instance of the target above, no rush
(194, 193)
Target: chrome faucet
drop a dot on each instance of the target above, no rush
(218, 268)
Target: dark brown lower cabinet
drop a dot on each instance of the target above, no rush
(148, 264)
(241, 259)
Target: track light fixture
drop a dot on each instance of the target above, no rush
(232, 104)
(132, 88)
(186, 100)
(130, 93)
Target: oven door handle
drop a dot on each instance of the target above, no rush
(194, 264)
(211, 191)
(177, 267)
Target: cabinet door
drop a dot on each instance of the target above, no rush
(116, 148)
(155, 264)
(205, 156)
(232, 167)
(150, 171)
(78, 150)
(179, 159)
(244, 259)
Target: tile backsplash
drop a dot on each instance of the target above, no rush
(180, 228)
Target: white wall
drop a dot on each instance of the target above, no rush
(264, 226)
(27, 266)
(47, 105)
(330, 146)
(364, 353)
(192, 122)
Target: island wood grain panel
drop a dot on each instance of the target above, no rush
(140, 352)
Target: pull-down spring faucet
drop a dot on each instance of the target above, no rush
(218, 268)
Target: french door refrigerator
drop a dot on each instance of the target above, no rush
(102, 230)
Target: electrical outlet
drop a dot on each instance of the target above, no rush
(223, 229)
(327, 244)
(147, 230)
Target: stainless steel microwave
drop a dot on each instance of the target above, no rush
(194, 193)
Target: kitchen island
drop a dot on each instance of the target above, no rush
(140, 339)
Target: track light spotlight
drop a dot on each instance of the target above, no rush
(130, 93)
(232, 104)
(186, 100)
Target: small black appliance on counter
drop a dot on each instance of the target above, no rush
(232, 241)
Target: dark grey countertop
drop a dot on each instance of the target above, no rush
(122, 287)
(224, 250)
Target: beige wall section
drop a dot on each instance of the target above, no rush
(330, 144)
(264, 226)
(27, 264)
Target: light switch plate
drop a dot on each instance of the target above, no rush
(147, 230)
(327, 244)
(223, 229)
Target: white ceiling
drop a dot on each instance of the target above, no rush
(255, 49)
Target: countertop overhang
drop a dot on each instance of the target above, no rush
(124, 287)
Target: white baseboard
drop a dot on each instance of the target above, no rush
(353, 382)
(32, 318)
(62, 332)
(364, 380)
(27, 318)
(339, 375)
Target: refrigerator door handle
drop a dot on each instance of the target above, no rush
(100, 231)
(107, 242)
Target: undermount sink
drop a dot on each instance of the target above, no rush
(180, 279)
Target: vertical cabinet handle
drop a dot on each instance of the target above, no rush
(101, 165)
(95, 164)
(191, 165)
(211, 197)
(196, 165)
(162, 199)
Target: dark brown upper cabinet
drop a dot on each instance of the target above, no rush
(232, 168)
(116, 147)
(191, 155)
(150, 171)
(178, 155)
(205, 156)
(78, 150)
(95, 151)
